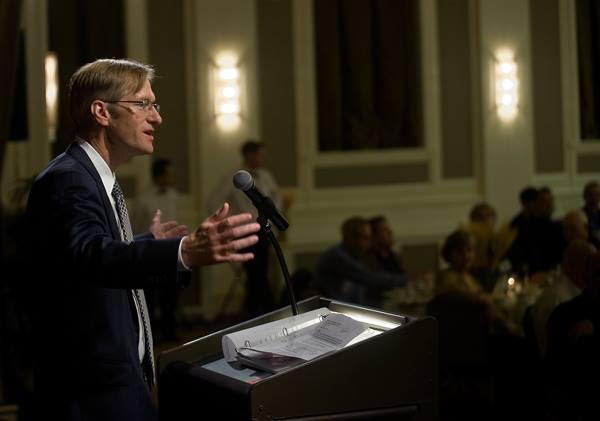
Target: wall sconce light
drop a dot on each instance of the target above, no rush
(506, 85)
(227, 94)
(51, 65)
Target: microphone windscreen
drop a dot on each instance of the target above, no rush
(243, 180)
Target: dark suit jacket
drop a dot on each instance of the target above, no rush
(87, 364)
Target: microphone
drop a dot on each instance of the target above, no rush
(243, 180)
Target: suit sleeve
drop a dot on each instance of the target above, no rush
(72, 235)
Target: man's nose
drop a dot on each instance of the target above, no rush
(154, 116)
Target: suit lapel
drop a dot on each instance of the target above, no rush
(77, 153)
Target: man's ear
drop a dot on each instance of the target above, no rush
(100, 112)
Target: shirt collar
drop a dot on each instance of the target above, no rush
(106, 175)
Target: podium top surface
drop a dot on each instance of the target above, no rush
(209, 348)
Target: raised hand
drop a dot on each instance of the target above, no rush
(219, 238)
(168, 229)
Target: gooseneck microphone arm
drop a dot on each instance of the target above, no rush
(267, 211)
(266, 229)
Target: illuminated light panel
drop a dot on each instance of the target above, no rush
(506, 85)
(227, 91)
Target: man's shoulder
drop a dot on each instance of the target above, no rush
(61, 174)
(65, 168)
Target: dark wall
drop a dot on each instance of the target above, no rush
(80, 32)
(166, 49)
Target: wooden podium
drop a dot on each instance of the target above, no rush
(393, 375)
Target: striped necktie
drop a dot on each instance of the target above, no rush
(138, 294)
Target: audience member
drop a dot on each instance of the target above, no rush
(539, 243)
(161, 196)
(482, 362)
(549, 237)
(381, 256)
(567, 286)
(575, 226)
(528, 198)
(481, 227)
(457, 251)
(591, 196)
(160, 201)
(342, 273)
(522, 224)
(573, 367)
(259, 297)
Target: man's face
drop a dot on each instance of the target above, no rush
(359, 242)
(545, 204)
(131, 128)
(167, 179)
(256, 159)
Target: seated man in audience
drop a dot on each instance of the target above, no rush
(521, 225)
(572, 363)
(539, 243)
(591, 195)
(527, 197)
(341, 272)
(381, 256)
(549, 236)
(568, 285)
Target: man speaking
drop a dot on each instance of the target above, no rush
(93, 357)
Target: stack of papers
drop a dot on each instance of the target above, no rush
(283, 344)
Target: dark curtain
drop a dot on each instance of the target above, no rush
(10, 11)
(588, 49)
(368, 74)
(80, 32)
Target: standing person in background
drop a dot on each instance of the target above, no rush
(259, 297)
(160, 201)
(161, 196)
(591, 195)
(93, 353)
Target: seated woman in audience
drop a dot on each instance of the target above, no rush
(458, 252)
(481, 226)
(482, 361)
(456, 281)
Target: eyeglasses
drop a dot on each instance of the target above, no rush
(144, 104)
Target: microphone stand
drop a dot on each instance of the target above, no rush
(266, 228)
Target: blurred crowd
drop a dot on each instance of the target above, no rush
(517, 306)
